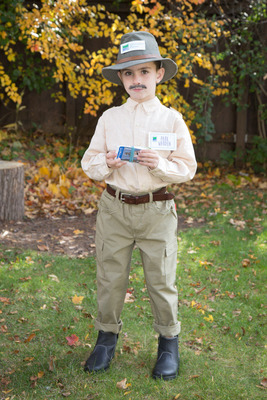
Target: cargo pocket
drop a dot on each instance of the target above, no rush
(99, 256)
(170, 262)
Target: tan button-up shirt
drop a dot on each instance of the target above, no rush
(129, 125)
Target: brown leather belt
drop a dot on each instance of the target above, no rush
(127, 198)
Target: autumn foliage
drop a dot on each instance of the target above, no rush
(49, 44)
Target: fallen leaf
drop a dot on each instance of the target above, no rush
(72, 339)
(27, 278)
(193, 377)
(209, 318)
(129, 298)
(200, 290)
(44, 172)
(52, 363)
(264, 382)
(42, 247)
(33, 380)
(245, 262)
(89, 211)
(29, 338)
(8, 391)
(123, 384)
(54, 189)
(77, 299)
(64, 190)
(189, 220)
(78, 232)
(236, 313)
(28, 359)
(54, 278)
(3, 328)
(66, 394)
(239, 225)
(5, 300)
(216, 242)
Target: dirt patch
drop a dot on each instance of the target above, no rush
(73, 236)
(69, 235)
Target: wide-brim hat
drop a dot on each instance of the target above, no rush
(138, 48)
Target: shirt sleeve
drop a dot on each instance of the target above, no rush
(94, 159)
(181, 164)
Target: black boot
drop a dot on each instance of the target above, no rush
(167, 365)
(103, 352)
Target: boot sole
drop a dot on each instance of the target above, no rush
(165, 377)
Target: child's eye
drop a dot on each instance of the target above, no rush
(127, 73)
(144, 71)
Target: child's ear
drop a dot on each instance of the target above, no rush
(160, 74)
(119, 75)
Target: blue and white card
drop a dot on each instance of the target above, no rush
(162, 141)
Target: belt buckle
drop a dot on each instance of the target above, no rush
(122, 197)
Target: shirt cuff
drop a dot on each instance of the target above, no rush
(160, 170)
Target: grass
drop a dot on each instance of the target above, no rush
(221, 278)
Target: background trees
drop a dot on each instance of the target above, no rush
(218, 46)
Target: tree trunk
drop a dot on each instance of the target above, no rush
(11, 191)
(241, 124)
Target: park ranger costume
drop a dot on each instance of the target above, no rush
(137, 210)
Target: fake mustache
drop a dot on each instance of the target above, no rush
(138, 87)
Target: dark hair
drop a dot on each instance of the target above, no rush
(158, 64)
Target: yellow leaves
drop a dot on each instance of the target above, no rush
(123, 385)
(198, 81)
(11, 56)
(44, 172)
(77, 299)
(137, 5)
(3, 34)
(54, 189)
(78, 232)
(9, 87)
(86, 64)
(58, 183)
(3, 135)
(115, 25)
(187, 83)
(209, 318)
(58, 33)
(75, 47)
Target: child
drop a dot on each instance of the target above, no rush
(135, 208)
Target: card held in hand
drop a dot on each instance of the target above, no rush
(127, 153)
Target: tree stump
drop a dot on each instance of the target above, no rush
(11, 191)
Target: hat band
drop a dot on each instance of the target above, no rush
(123, 60)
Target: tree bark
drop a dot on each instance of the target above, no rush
(241, 124)
(11, 191)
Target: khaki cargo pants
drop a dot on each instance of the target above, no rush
(152, 227)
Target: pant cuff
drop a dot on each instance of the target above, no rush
(172, 330)
(114, 328)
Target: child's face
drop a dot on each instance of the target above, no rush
(140, 80)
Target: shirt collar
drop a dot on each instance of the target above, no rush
(148, 106)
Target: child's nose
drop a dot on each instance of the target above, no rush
(136, 79)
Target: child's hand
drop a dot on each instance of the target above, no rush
(112, 161)
(148, 158)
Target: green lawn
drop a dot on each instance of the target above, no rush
(221, 277)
